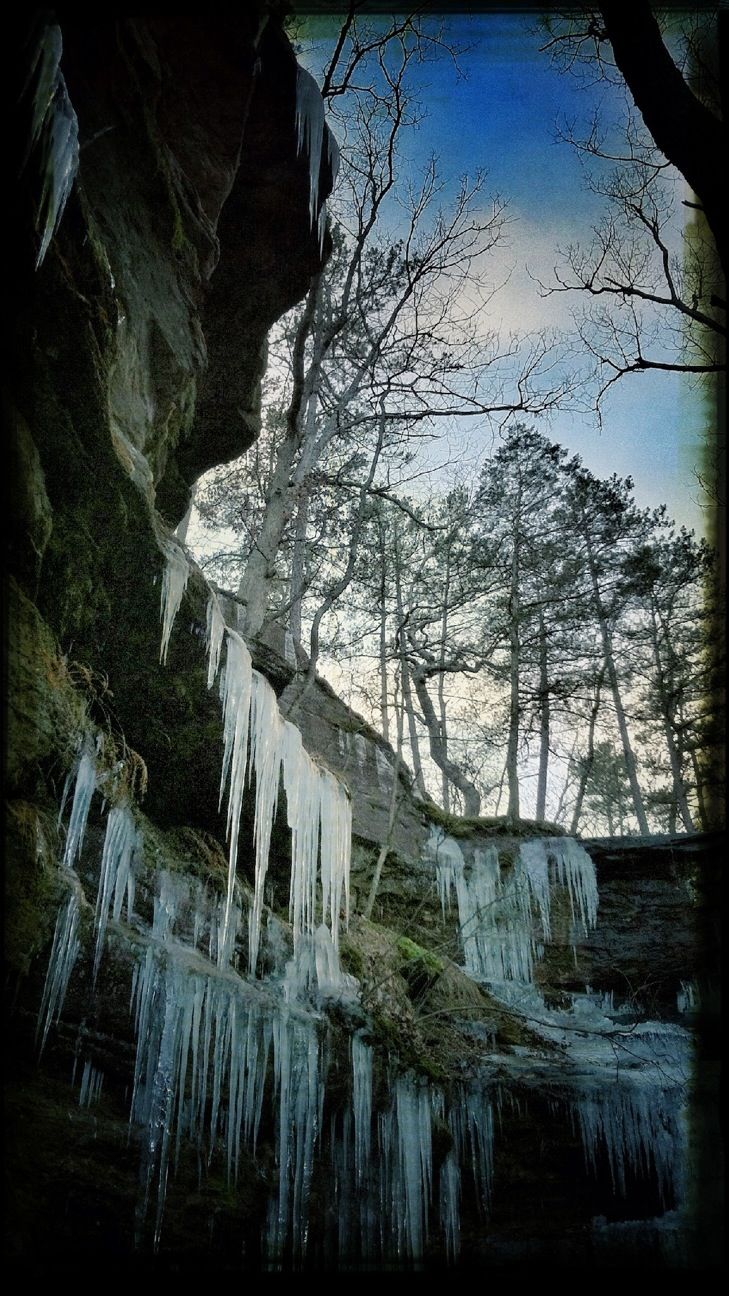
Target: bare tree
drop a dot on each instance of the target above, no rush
(654, 284)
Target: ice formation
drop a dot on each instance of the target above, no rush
(640, 1127)
(92, 1082)
(64, 952)
(53, 133)
(66, 945)
(257, 740)
(174, 583)
(496, 903)
(220, 1055)
(217, 1054)
(116, 878)
(311, 133)
(84, 785)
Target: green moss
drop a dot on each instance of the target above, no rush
(410, 952)
(32, 887)
(489, 825)
(388, 1034)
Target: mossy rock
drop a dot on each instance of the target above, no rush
(33, 889)
(489, 825)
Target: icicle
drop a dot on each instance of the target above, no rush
(60, 164)
(267, 738)
(450, 1197)
(174, 584)
(300, 1092)
(215, 636)
(688, 997)
(495, 905)
(310, 133)
(640, 1127)
(116, 875)
(54, 132)
(576, 871)
(336, 839)
(64, 952)
(412, 1169)
(534, 864)
(84, 788)
(235, 692)
(315, 968)
(362, 1103)
(200, 1069)
(92, 1081)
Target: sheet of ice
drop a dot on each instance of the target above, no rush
(174, 583)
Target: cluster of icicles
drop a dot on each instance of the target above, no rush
(220, 1054)
(212, 1046)
(495, 905)
(311, 135)
(53, 144)
(258, 740)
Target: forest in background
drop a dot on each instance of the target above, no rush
(531, 640)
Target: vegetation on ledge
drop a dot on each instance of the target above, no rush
(490, 825)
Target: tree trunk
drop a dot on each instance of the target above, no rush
(391, 818)
(679, 789)
(470, 794)
(544, 722)
(685, 130)
(441, 679)
(407, 696)
(298, 565)
(589, 755)
(612, 674)
(512, 749)
(258, 576)
(384, 700)
(704, 816)
(255, 585)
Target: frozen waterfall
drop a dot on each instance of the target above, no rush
(504, 908)
(259, 742)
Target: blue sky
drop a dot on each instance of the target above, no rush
(503, 115)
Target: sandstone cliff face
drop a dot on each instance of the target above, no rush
(136, 364)
(138, 352)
